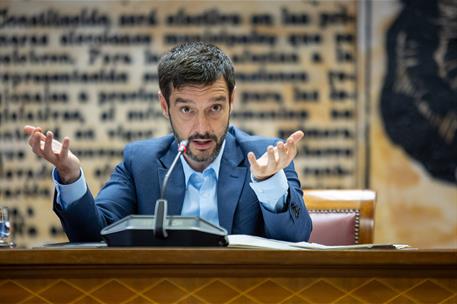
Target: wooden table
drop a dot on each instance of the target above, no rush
(216, 275)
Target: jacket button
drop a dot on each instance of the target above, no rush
(295, 210)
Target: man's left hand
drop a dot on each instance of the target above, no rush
(276, 158)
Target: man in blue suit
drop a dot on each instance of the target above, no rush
(246, 184)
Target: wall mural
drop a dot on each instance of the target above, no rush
(419, 97)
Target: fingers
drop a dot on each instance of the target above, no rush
(253, 161)
(35, 141)
(35, 134)
(29, 129)
(275, 158)
(285, 155)
(297, 135)
(265, 165)
(45, 145)
(272, 160)
(282, 151)
(292, 142)
(47, 149)
(65, 147)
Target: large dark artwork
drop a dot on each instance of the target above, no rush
(419, 97)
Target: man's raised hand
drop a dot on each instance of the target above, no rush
(276, 158)
(58, 154)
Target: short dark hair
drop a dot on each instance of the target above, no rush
(194, 63)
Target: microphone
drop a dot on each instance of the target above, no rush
(182, 147)
(161, 229)
(161, 204)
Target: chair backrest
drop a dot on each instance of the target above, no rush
(341, 217)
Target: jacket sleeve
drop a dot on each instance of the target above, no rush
(84, 218)
(293, 224)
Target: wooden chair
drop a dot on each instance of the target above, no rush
(341, 217)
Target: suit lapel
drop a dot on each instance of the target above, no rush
(232, 175)
(176, 188)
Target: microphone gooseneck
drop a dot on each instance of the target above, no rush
(182, 147)
(161, 207)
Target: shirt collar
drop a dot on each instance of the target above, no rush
(215, 165)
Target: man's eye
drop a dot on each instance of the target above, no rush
(185, 110)
(216, 108)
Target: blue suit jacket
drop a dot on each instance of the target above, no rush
(135, 185)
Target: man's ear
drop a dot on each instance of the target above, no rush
(163, 105)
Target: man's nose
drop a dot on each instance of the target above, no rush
(201, 124)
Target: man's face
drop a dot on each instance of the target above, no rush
(200, 114)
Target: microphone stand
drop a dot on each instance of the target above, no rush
(161, 207)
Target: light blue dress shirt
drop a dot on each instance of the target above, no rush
(201, 190)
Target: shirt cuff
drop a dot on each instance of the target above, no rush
(272, 192)
(68, 193)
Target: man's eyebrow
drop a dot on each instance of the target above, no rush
(182, 100)
(219, 98)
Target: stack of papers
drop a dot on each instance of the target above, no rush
(249, 241)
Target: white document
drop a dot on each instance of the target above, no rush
(255, 242)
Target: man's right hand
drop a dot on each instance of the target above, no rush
(58, 154)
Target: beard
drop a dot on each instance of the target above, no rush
(205, 136)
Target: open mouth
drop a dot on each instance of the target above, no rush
(202, 144)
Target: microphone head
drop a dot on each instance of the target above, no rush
(182, 147)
